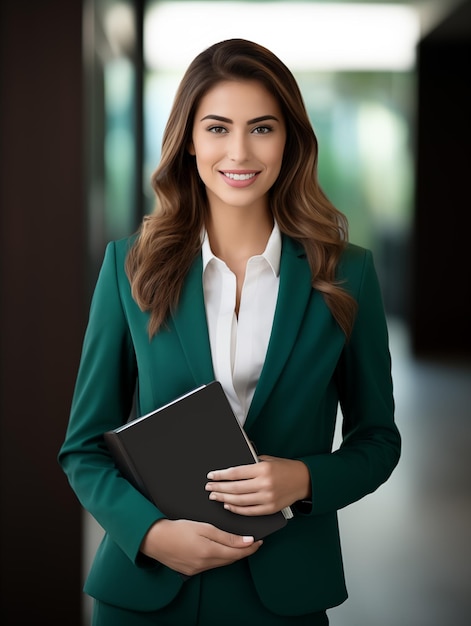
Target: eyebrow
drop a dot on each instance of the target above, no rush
(255, 120)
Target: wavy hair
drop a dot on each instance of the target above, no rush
(170, 238)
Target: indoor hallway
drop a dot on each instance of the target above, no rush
(407, 547)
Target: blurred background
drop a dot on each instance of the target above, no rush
(86, 87)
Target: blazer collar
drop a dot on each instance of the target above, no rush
(293, 296)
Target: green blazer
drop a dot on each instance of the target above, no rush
(309, 371)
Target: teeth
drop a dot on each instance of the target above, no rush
(239, 176)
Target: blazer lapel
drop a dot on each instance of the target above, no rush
(293, 297)
(191, 325)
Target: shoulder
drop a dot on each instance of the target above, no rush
(112, 271)
(352, 261)
(354, 258)
(115, 253)
(356, 271)
(120, 247)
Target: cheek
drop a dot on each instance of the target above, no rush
(205, 161)
(276, 155)
(205, 153)
(275, 152)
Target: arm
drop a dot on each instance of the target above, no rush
(102, 401)
(371, 442)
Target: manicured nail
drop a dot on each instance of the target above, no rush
(247, 539)
(210, 476)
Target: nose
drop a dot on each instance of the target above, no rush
(238, 147)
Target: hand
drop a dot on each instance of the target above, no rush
(192, 547)
(260, 488)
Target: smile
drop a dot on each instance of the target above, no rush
(234, 176)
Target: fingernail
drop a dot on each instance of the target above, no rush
(210, 476)
(247, 539)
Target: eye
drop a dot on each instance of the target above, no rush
(262, 130)
(217, 130)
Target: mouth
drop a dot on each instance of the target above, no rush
(239, 175)
(239, 179)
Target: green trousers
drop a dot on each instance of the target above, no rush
(220, 597)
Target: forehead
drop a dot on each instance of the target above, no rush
(245, 97)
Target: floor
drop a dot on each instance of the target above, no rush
(407, 547)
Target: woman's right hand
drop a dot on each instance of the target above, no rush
(192, 547)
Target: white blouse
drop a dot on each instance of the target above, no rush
(239, 344)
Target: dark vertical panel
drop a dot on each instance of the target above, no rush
(139, 8)
(42, 243)
(441, 296)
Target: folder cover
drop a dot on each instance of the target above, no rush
(167, 454)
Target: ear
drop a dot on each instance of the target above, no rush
(191, 148)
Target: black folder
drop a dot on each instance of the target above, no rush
(167, 454)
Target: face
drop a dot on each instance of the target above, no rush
(238, 140)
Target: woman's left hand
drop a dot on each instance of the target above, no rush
(260, 488)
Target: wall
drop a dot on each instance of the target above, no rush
(42, 243)
(441, 285)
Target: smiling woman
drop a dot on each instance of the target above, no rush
(234, 151)
(243, 273)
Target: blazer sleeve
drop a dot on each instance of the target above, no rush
(102, 401)
(371, 443)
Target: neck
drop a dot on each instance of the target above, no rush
(239, 235)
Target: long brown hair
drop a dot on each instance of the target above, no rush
(170, 238)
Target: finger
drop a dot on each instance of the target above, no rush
(226, 554)
(239, 472)
(245, 499)
(233, 486)
(229, 540)
(249, 511)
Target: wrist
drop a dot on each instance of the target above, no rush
(304, 492)
(153, 537)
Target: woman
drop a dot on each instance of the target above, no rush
(243, 274)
